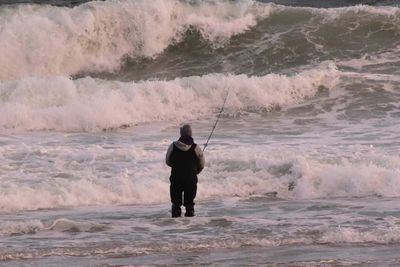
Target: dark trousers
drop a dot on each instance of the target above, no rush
(187, 187)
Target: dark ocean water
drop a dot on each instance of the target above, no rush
(309, 3)
(333, 3)
(45, 2)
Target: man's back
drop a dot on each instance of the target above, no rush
(184, 163)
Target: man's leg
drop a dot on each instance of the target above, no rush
(176, 190)
(190, 191)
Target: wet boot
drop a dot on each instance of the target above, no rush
(176, 211)
(189, 212)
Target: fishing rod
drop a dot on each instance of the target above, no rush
(216, 121)
(291, 185)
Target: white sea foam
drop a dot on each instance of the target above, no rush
(315, 176)
(67, 225)
(382, 58)
(20, 227)
(46, 40)
(373, 174)
(340, 12)
(62, 177)
(387, 11)
(135, 174)
(88, 104)
(322, 235)
(387, 234)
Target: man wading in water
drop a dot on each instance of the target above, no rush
(186, 160)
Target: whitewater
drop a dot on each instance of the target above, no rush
(303, 168)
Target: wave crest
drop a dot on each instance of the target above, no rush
(88, 104)
(46, 40)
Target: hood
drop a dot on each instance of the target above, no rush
(182, 146)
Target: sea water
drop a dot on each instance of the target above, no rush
(303, 168)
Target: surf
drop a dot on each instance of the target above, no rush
(102, 37)
(87, 104)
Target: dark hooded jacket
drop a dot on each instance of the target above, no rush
(187, 159)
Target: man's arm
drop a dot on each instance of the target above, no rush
(200, 155)
(168, 155)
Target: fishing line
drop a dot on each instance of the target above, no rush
(216, 121)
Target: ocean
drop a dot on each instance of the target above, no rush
(303, 168)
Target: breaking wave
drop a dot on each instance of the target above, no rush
(46, 40)
(40, 40)
(87, 104)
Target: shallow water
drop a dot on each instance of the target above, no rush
(340, 212)
(239, 231)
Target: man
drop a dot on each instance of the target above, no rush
(186, 160)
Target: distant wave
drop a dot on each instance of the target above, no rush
(40, 40)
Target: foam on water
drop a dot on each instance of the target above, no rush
(88, 104)
(135, 174)
(335, 13)
(373, 174)
(383, 235)
(389, 57)
(20, 227)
